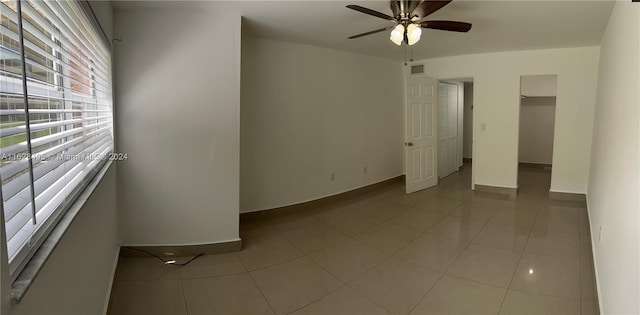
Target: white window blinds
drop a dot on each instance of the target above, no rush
(56, 127)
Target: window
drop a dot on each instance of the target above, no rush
(56, 125)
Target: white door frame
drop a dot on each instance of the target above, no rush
(553, 152)
(476, 79)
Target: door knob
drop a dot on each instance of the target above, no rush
(409, 144)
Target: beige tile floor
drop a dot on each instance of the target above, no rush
(444, 250)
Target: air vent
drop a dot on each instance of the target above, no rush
(417, 69)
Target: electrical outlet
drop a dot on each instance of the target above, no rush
(333, 177)
(483, 126)
(365, 170)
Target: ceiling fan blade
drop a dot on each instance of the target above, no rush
(413, 4)
(395, 7)
(447, 26)
(427, 7)
(372, 32)
(370, 12)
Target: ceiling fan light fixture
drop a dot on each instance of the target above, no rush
(413, 33)
(397, 34)
(408, 17)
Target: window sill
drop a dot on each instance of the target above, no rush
(35, 264)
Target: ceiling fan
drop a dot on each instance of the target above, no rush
(407, 18)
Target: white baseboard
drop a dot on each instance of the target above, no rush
(510, 191)
(568, 196)
(595, 262)
(323, 196)
(105, 308)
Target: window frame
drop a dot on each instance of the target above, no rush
(46, 236)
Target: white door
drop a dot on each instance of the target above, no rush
(421, 140)
(447, 129)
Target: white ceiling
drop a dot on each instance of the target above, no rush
(497, 25)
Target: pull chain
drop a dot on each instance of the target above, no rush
(405, 55)
(411, 53)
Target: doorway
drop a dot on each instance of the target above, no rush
(449, 127)
(435, 132)
(455, 130)
(536, 132)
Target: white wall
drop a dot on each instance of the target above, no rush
(308, 112)
(467, 132)
(614, 181)
(539, 85)
(496, 105)
(76, 278)
(537, 122)
(178, 92)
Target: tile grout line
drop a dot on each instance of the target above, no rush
(520, 258)
(344, 284)
(276, 264)
(443, 273)
(184, 296)
(547, 295)
(427, 293)
(366, 271)
(346, 237)
(319, 298)
(258, 287)
(279, 233)
(425, 233)
(393, 255)
(284, 262)
(216, 276)
(465, 248)
(478, 282)
(383, 220)
(308, 256)
(462, 252)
